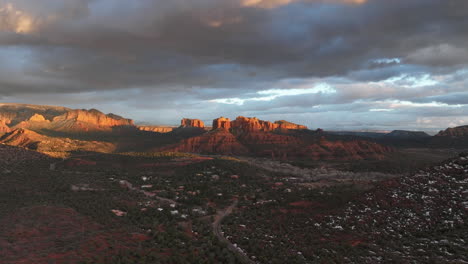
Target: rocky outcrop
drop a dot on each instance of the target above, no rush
(222, 123)
(247, 124)
(285, 125)
(88, 120)
(25, 138)
(251, 136)
(37, 117)
(186, 122)
(242, 125)
(36, 122)
(13, 114)
(456, 132)
(157, 129)
(3, 128)
(218, 141)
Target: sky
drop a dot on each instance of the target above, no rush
(332, 64)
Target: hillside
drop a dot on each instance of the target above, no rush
(419, 218)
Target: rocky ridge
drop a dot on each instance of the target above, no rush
(251, 136)
(186, 122)
(461, 131)
(36, 117)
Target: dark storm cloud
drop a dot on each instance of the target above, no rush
(189, 52)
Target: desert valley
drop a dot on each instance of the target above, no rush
(81, 186)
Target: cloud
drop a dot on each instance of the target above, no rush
(279, 3)
(163, 54)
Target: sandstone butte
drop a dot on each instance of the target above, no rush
(252, 124)
(251, 136)
(93, 117)
(186, 122)
(157, 129)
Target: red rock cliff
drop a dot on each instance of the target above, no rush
(222, 123)
(186, 122)
(88, 120)
(282, 124)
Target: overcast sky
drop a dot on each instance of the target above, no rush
(334, 64)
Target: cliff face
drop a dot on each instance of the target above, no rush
(248, 124)
(222, 123)
(186, 122)
(3, 128)
(251, 136)
(36, 117)
(283, 124)
(461, 131)
(157, 129)
(88, 120)
(13, 114)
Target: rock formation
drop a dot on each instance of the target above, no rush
(461, 131)
(13, 114)
(222, 123)
(77, 120)
(157, 129)
(37, 117)
(283, 125)
(251, 136)
(404, 134)
(186, 122)
(29, 139)
(246, 125)
(3, 128)
(218, 141)
(252, 124)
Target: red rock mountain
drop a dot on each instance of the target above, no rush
(35, 117)
(251, 136)
(157, 129)
(3, 128)
(186, 122)
(219, 141)
(461, 131)
(29, 139)
(222, 123)
(86, 120)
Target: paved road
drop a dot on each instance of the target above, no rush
(217, 231)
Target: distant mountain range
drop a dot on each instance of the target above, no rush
(53, 128)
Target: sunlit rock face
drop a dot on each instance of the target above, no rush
(37, 117)
(13, 114)
(157, 129)
(283, 124)
(88, 120)
(3, 128)
(186, 122)
(251, 136)
(222, 123)
(248, 124)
